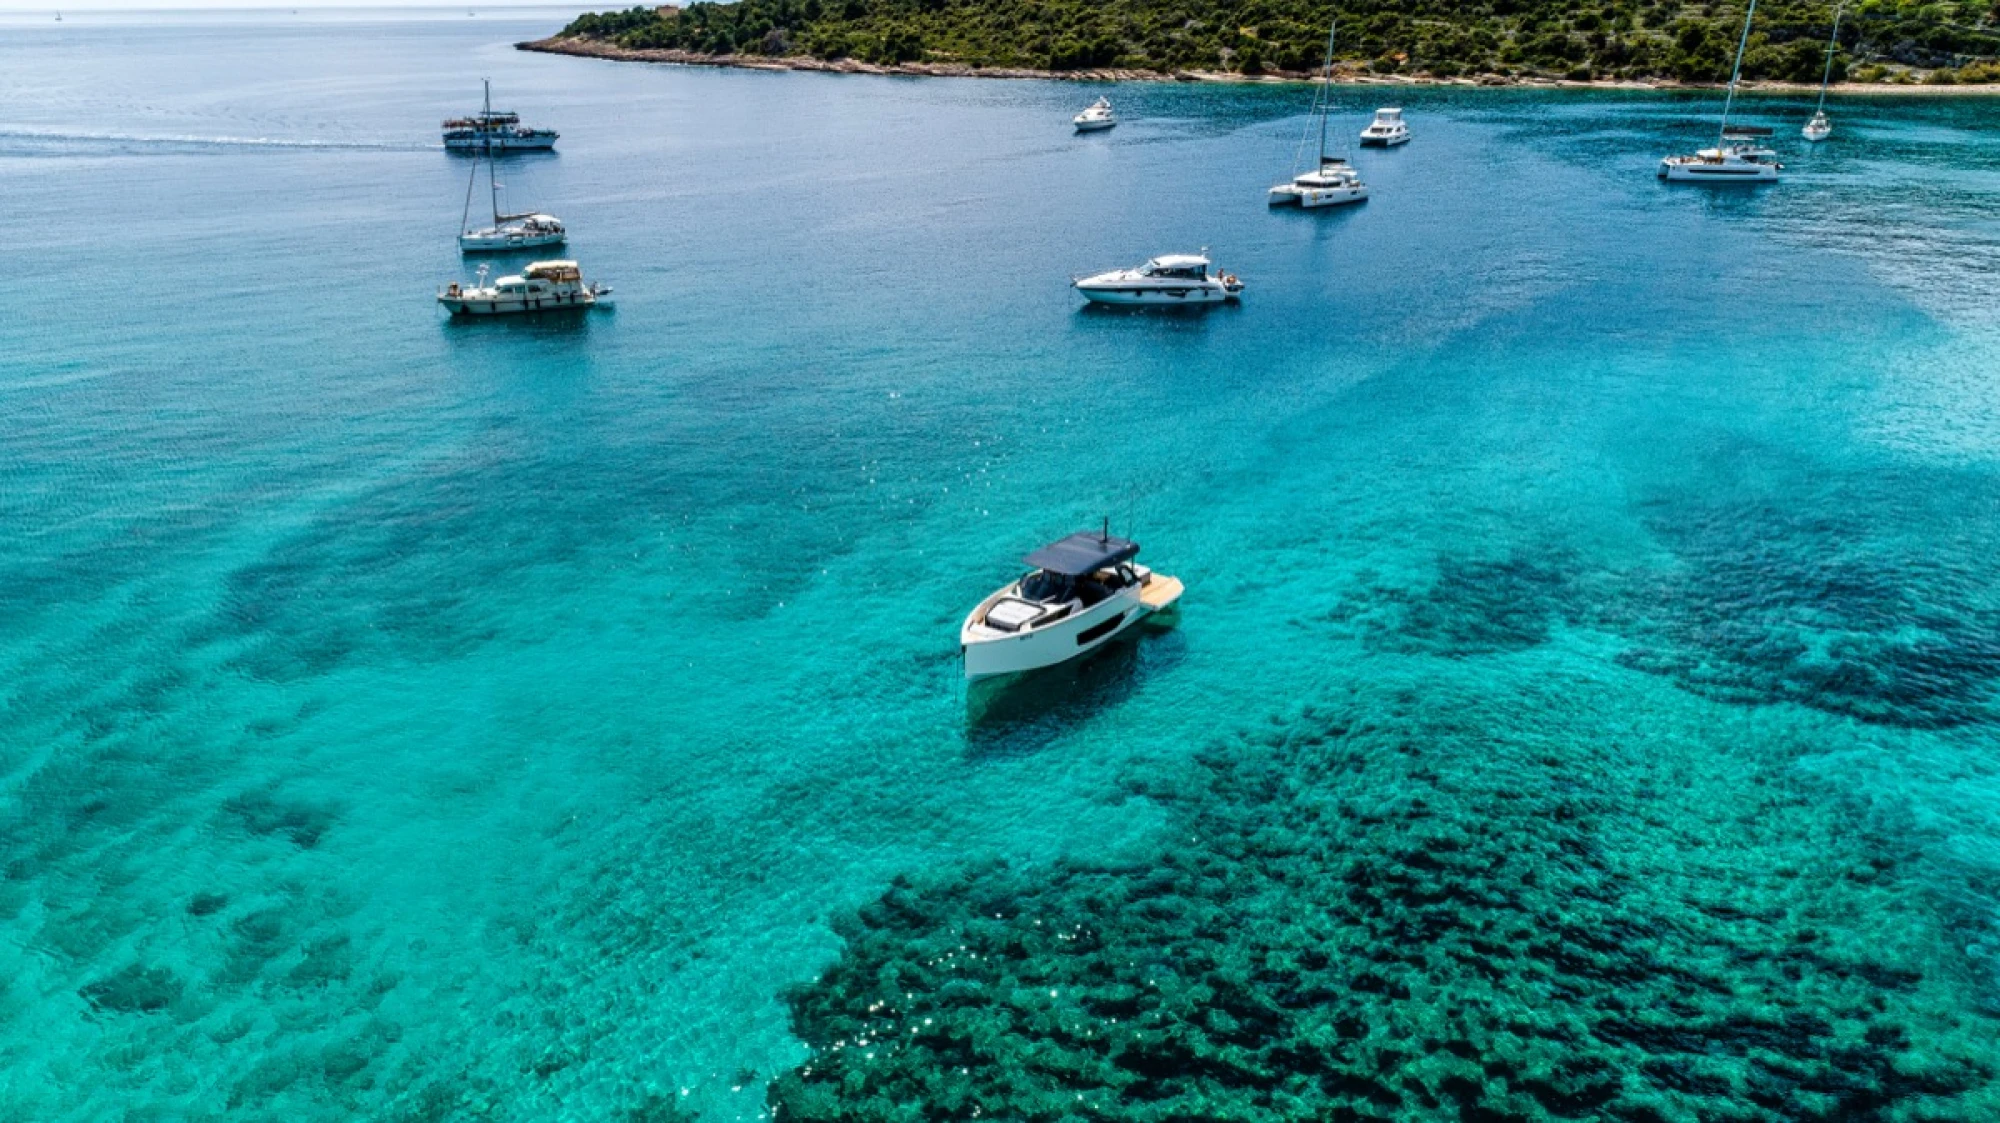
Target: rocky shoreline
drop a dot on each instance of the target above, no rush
(592, 48)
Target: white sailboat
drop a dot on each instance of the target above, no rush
(1333, 181)
(526, 231)
(1735, 158)
(1819, 128)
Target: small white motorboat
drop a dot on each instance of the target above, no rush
(545, 286)
(1736, 157)
(1085, 589)
(1171, 279)
(1098, 116)
(514, 232)
(1387, 130)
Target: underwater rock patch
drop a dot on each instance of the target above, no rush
(1380, 912)
(134, 990)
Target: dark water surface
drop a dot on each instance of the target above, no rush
(1583, 705)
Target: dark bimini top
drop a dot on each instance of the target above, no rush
(1084, 552)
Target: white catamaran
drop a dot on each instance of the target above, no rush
(1819, 128)
(1333, 181)
(526, 231)
(1736, 157)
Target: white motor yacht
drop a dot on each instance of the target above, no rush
(1336, 182)
(1098, 116)
(1333, 181)
(1387, 130)
(1736, 157)
(1084, 590)
(545, 286)
(1172, 279)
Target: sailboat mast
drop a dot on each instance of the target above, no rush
(1832, 45)
(492, 171)
(1734, 72)
(1326, 90)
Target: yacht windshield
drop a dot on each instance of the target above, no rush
(1044, 587)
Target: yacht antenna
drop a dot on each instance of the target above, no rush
(1832, 45)
(1106, 536)
(1734, 71)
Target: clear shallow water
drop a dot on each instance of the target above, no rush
(401, 718)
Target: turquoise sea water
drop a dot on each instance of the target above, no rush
(1583, 704)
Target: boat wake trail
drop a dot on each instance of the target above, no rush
(37, 142)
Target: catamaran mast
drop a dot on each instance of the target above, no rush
(1832, 45)
(1734, 72)
(1326, 90)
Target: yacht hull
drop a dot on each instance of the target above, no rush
(1180, 296)
(1094, 126)
(473, 243)
(487, 306)
(987, 654)
(500, 144)
(1384, 141)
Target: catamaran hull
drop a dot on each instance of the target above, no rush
(1709, 173)
(1383, 141)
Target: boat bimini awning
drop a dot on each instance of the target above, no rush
(1082, 553)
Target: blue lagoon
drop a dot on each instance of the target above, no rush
(1582, 704)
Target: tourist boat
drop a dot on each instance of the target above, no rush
(1333, 181)
(1820, 127)
(1733, 159)
(1387, 130)
(1085, 589)
(491, 131)
(1172, 279)
(1098, 116)
(545, 286)
(528, 231)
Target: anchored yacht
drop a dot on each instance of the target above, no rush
(495, 131)
(1742, 155)
(514, 232)
(545, 286)
(1097, 117)
(1168, 279)
(1736, 157)
(1333, 181)
(1387, 130)
(509, 231)
(1336, 182)
(1084, 590)
(1821, 127)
